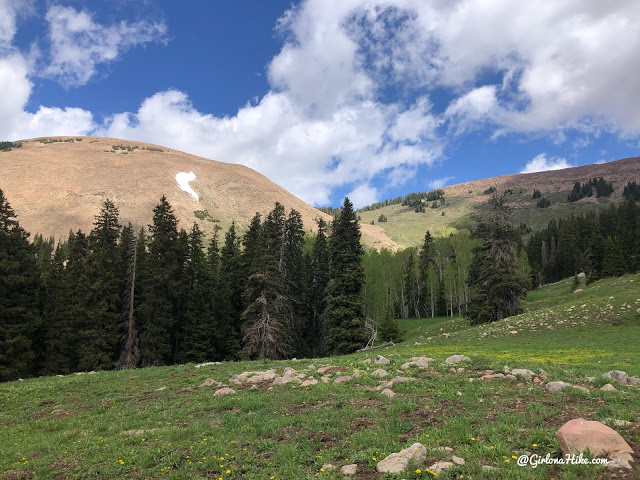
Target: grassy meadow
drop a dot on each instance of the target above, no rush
(118, 425)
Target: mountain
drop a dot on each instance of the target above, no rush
(407, 227)
(58, 184)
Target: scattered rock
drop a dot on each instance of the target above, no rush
(379, 373)
(458, 460)
(309, 381)
(286, 378)
(325, 378)
(366, 360)
(380, 360)
(618, 463)
(633, 380)
(356, 373)
(590, 379)
(453, 359)
(419, 362)
(459, 394)
(260, 377)
(581, 275)
(209, 382)
(388, 393)
(396, 462)
(439, 467)
(207, 364)
(492, 376)
(577, 290)
(331, 370)
(488, 468)
(513, 332)
(224, 391)
(582, 389)
(327, 466)
(578, 434)
(161, 389)
(443, 449)
(523, 372)
(349, 470)
(60, 376)
(617, 375)
(311, 368)
(557, 386)
(343, 379)
(608, 388)
(289, 371)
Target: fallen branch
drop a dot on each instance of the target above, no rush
(388, 344)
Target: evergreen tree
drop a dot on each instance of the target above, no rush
(130, 351)
(215, 299)
(98, 338)
(159, 299)
(346, 331)
(497, 288)
(19, 303)
(613, 263)
(389, 331)
(318, 289)
(232, 284)
(424, 260)
(294, 269)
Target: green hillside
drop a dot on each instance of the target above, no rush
(120, 425)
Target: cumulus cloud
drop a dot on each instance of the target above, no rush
(78, 44)
(439, 182)
(363, 195)
(541, 163)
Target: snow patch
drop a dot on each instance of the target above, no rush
(183, 179)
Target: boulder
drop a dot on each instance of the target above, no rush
(309, 381)
(366, 360)
(443, 449)
(394, 381)
(453, 359)
(458, 460)
(343, 379)
(617, 375)
(619, 463)
(397, 462)
(289, 371)
(608, 388)
(578, 435)
(633, 380)
(379, 373)
(356, 373)
(224, 391)
(349, 470)
(557, 386)
(380, 360)
(210, 382)
(418, 362)
(331, 370)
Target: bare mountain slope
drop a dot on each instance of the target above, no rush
(57, 186)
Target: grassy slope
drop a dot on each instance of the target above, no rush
(75, 426)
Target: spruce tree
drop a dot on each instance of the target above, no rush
(232, 284)
(497, 287)
(99, 337)
(318, 290)
(294, 269)
(19, 303)
(389, 331)
(424, 260)
(346, 331)
(130, 351)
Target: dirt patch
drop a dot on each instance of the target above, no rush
(70, 413)
(24, 475)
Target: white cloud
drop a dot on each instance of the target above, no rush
(541, 163)
(439, 182)
(78, 44)
(363, 195)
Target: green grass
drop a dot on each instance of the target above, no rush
(116, 425)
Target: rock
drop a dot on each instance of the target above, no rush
(590, 379)
(92, 372)
(617, 375)
(286, 378)
(506, 369)
(513, 332)
(510, 377)
(492, 376)
(209, 382)
(379, 373)
(349, 470)
(582, 389)
(581, 275)
(633, 380)
(161, 389)
(439, 467)
(619, 463)
(260, 377)
(311, 368)
(356, 373)
(577, 290)
(380, 360)
(325, 378)
(366, 360)
(419, 362)
(458, 460)
(608, 388)
(543, 375)
(396, 462)
(452, 370)
(394, 381)
(289, 371)
(224, 391)
(60, 376)
(235, 381)
(308, 382)
(207, 364)
(578, 434)
(459, 370)
(557, 386)
(343, 379)
(523, 372)
(459, 394)
(453, 359)
(331, 370)
(327, 466)
(388, 393)
(443, 449)
(301, 376)
(488, 468)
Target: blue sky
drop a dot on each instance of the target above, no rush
(367, 98)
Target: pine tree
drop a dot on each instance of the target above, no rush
(389, 331)
(497, 288)
(294, 269)
(424, 259)
(232, 285)
(99, 337)
(19, 303)
(159, 299)
(214, 299)
(613, 263)
(346, 331)
(318, 289)
(130, 351)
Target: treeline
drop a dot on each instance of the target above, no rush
(601, 245)
(124, 297)
(601, 186)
